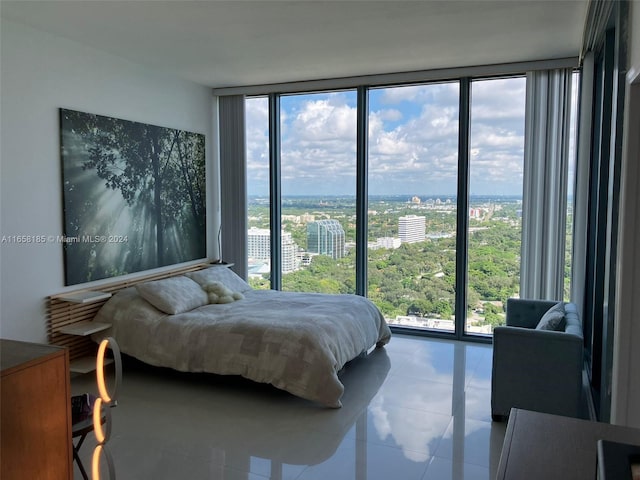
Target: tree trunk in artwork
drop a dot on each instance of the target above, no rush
(157, 197)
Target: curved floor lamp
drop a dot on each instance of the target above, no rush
(102, 410)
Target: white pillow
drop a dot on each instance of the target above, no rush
(553, 319)
(221, 274)
(173, 295)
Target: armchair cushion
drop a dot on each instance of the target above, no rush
(553, 319)
(526, 313)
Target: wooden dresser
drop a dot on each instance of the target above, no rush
(35, 412)
(550, 447)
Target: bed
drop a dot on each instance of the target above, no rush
(297, 342)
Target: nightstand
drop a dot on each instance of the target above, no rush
(88, 296)
(84, 328)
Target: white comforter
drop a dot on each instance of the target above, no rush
(295, 341)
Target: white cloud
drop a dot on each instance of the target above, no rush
(413, 146)
(318, 153)
(414, 156)
(257, 144)
(324, 120)
(401, 94)
(498, 99)
(390, 114)
(419, 94)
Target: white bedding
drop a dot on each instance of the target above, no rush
(295, 341)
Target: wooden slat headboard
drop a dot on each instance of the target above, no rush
(61, 313)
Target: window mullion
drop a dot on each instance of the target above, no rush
(462, 209)
(275, 192)
(362, 194)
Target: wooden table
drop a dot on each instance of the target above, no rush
(549, 447)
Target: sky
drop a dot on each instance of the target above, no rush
(413, 140)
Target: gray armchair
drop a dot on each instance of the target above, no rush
(533, 369)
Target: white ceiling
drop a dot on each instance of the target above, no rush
(236, 43)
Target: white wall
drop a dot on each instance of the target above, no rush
(40, 73)
(626, 363)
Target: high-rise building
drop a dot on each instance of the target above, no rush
(259, 243)
(326, 237)
(289, 249)
(259, 248)
(411, 228)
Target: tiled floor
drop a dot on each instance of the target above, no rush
(418, 409)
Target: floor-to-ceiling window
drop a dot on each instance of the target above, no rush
(258, 206)
(412, 203)
(496, 164)
(436, 170)
(571, 187)
(318, 191)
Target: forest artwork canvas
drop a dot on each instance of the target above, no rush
(134, 196)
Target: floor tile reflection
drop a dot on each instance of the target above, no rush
(445, 469)
(418, 409)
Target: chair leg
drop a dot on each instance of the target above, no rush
(76, 457)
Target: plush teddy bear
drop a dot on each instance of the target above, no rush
(218, 293)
